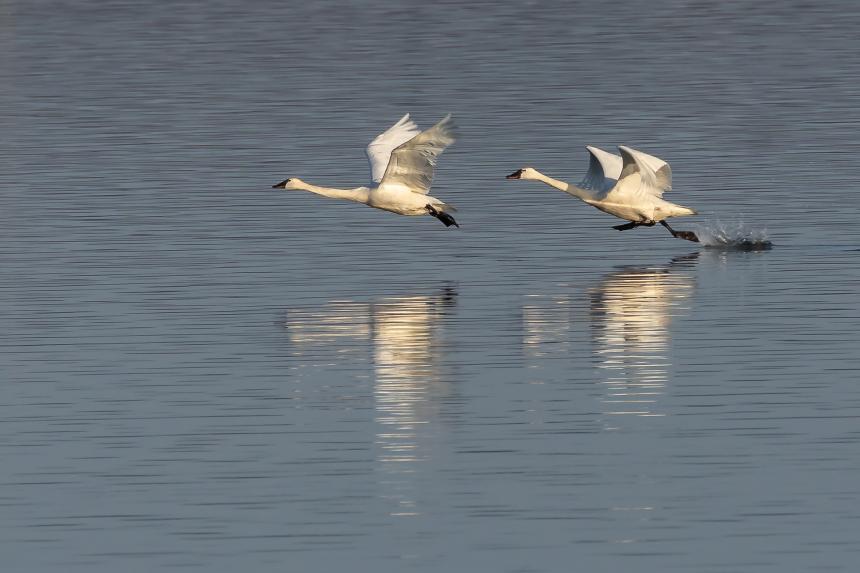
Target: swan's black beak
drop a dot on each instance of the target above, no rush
(280, 185)
(515, 175)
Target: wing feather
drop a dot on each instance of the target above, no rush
(604, 169)
(379, 150)
(411, 164)
(643, 174)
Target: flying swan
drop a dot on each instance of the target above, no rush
(630, 187)
(401, 171)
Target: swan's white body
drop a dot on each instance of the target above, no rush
(629, 187)
(401, 170)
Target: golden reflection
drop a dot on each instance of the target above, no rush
(335, 321)
(547, 323)
(631, 311)
(405, 338)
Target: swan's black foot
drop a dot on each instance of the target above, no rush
(686, 235)
(633, 225)
(626, 226)
(444, 217)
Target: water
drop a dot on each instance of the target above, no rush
(202, 373)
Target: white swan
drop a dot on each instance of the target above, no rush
(630, 187)
(401, 171)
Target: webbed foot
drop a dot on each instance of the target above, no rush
(447, 219)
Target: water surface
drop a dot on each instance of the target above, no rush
(202, 373)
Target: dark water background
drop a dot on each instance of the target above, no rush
(199, 372)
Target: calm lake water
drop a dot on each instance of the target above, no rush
(200, 372)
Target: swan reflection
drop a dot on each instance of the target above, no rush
(629, 315)
(547, 322)
(631, 311)
(404, 337)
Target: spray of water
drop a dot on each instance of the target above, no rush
(732, 236)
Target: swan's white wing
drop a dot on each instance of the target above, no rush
(379, 150)
(643, 174)
(411, 164)
(604, 169)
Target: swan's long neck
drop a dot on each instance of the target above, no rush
(583, 194)
(359, 194)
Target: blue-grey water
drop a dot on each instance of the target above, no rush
(202, 373)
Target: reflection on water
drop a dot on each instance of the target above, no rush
(408, 384)
(405, 347)
(631, 311)
(547, 324)
(337, 321)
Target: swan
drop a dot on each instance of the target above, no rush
(401, 171)
(629, 186)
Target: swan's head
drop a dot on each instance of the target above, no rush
(524, 173)
(294, 183)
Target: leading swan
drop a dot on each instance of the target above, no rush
(630, 187)
(401, 170)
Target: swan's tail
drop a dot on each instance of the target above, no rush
(445, 207)
(681, 211)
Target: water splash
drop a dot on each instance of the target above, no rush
(736, 236)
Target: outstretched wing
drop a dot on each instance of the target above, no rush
(411, 164)
(604, 169)
(643, 174)
(379, 150)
